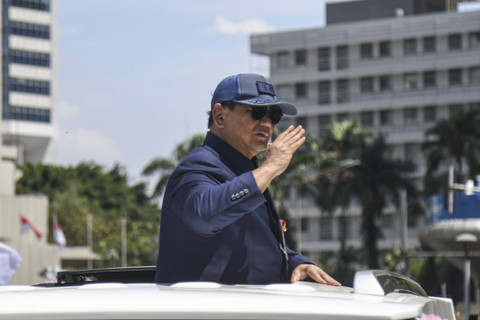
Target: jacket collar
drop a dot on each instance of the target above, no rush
(234, 160)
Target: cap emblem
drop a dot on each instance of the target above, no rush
(266, 88)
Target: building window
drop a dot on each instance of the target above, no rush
(474, 75)
(283, 92)
(324, 92)
(43, 5)
(282, 59)
(29, 30)
(323, 59)
(474, 40)
(454, 108)
(342, 91)
(342, 116)
(366, 118)
(366, 85)
(323, 123)
(385, 117)
(302, 121)
(26, 114)
(455, 41)
(429, 114)
(429, 44)
(410, 116)
(30, 86)
(366, 51)
(301, 90)
(326, 228)
(455, 77)
(345, 227)
(429, 79)
(342, 57)
(385, 49)
(384, 83)
(410, 81)
(410, 46)
(31, 58)
(300, 57)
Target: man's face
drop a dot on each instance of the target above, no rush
(245, 134)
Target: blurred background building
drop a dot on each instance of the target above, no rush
(27, 130)
(29, 80)
(396, 67)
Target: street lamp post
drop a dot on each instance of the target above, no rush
(466, 239)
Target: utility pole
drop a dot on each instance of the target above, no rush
(466, 239)
(404, 230)
(469, 188)
(124, 242)
(89, 241)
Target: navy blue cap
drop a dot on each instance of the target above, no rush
(250, 89)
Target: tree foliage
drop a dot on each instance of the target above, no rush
(453, 141)
(89, 189)
(163, 167)
(375, 182)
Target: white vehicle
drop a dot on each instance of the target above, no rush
(125, 294)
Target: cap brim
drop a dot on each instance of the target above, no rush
(263, 101)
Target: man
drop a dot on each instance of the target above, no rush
(218, 218)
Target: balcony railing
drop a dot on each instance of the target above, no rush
(465, 207)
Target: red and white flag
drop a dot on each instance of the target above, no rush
(59, 236)
(27, 226)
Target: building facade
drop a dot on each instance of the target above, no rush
(28, 129)
(29, 82)
(396, 76)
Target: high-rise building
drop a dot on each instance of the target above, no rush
(29, 81)
(396, 75)
(27, 127)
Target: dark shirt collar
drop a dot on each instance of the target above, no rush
(234, 160)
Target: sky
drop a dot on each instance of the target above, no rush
(136, 76)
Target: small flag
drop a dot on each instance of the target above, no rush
(27, 226)
(58, 235)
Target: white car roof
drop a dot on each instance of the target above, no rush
(208, 300)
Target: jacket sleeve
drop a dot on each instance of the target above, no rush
(209, 199)
(295, 259)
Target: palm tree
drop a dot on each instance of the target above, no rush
(454, 141)
(374, 182)
(165, 166)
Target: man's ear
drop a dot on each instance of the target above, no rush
(218, 113)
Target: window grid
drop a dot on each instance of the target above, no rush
(300, 57)
(323, 59)
(43, 5)
(324, 92)
(29, 86)
(29, 30)
(30, 58)
(26, 114)
(342, 57)
(455, 41)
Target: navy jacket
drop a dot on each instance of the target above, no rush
(216, 225)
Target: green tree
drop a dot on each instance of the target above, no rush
(164, 166)
(375, 182)
(454, 141)
(88, 189)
